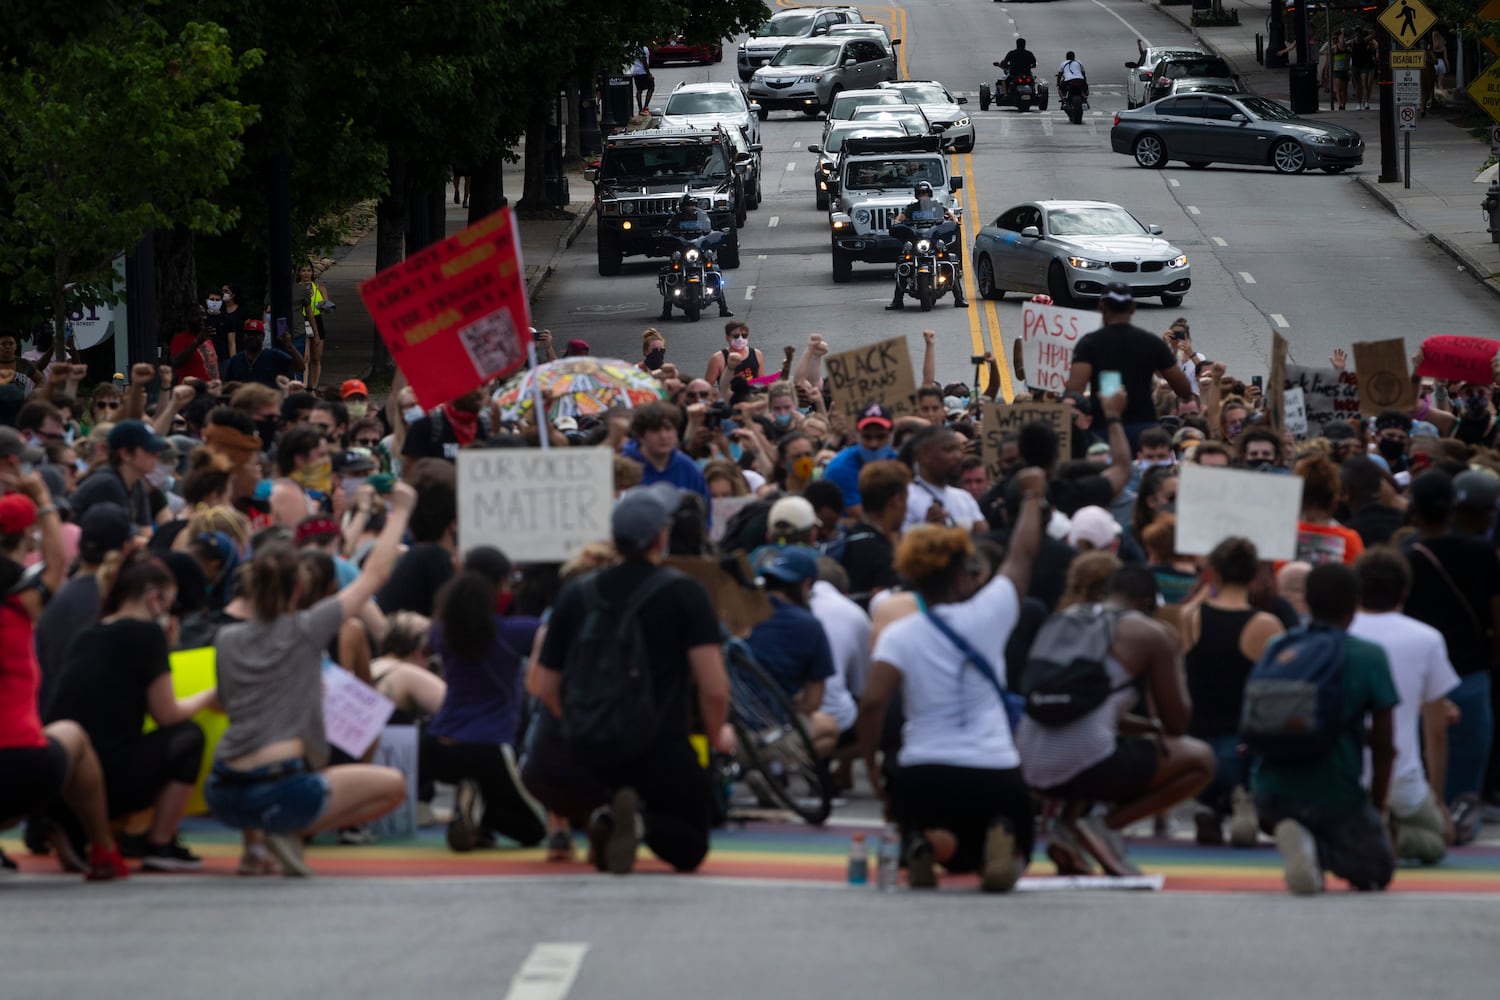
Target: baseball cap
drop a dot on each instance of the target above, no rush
(576, 347)
(1339, 430)
(566, 424)
(191, 583)
(875, 414)
(1118, 293)
(354, 462)
(104, 528)
(792, 513)
(788, 563)
(1476, 489)
(1094, 525)
(353, 387)
(17, 513)
(1432, 494)
(135, 434)
(12, 443)
(254, 326)
(643, 511)
(316, 527)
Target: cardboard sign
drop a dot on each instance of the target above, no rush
(1458, 359)
(1215, 503)
(455, 315)
(354, 713)
(740, 608)
(998, 421)
(1276, 384)
(1048, 334)
(878, 373)
(1328, 395)
(721, 510)
(1294, 405)
(534, 505)
(1384, 383)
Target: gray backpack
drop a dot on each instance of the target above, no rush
(1065, 678)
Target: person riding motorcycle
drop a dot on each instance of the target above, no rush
(687, 228)
(1019, 61)
(1071, 77)
(926, 209)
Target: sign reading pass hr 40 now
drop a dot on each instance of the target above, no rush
(455, 315)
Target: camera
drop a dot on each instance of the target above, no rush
(976, 359)
(717, 413)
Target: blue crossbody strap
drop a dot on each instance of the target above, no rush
(971, 655)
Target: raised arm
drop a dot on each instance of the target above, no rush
(810, 366)
(1119, 467)
(929, 358)
(378, 564)
(1026, 538)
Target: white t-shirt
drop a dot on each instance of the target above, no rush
(962, 508)
(848, 630)
(953, 714)
(1071, 69)
(1422, 673)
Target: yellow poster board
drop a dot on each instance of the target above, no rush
(193, 671)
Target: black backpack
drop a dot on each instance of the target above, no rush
(609, 705)
(1065, 677)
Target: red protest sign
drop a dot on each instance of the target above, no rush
(1458, 359)
(455, 315)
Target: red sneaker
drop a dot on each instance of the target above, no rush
(105, 865)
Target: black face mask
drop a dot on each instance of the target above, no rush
(1258, 464)
(1391, 449)
(655, 358)
(267, 431)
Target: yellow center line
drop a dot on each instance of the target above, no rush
(976, 335)
(985, 306)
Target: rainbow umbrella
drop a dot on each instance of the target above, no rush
(578, 387)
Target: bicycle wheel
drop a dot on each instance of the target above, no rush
(773, 742)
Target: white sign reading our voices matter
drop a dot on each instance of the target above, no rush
(1216, 503)
(534, 505)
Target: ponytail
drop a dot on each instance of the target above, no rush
(269, 580)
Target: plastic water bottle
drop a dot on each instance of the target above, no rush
(859, 861)
(890, 859)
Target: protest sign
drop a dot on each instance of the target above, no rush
(1380, 367)
(998, 421)
(1458, 359)
(1294, 405)
(455, 315)
(1328, 395)
(878, 373)
(194, 671)
(739, 608)
(354, 713)
(1216, 503)
(1048, 334)
(1276, 384)
(534, 505)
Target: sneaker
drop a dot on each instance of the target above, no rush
(69, 847)
(1001, 866)
(463, 829)
(287, 849)
(921, 866)
(615, 846)
(1107, 846)
(1299, 858)
(1489, 810)
(426, 816)
(257, 864)
(7, 866)
(1244, 825)
(1467, 818)
(357, 836)
(1208, 831)
(105, 866)
(559, 846)
(132, 845)
(1066, 852)
(36, 837)
(169, 857)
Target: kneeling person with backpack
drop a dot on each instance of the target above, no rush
(623, 649)
(1306, 702)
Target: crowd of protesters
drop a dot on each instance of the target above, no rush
(220, 501)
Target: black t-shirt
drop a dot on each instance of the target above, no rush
(424, 439)
(1376, 523)
(74, 608)
(1049, 570)
(1475, 569)
(220, 323)
(105, 675)
(104, 485)
(1019, 61)
(1136, 354)
(676, 619)
(416, 578)
(867, 558)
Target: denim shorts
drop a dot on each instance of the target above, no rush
(277, 798)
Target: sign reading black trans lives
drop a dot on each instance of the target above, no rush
(879, 373)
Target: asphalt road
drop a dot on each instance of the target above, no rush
(1312, 254)
(663, 936)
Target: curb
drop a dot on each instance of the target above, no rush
(1472, 267)
(575, 229)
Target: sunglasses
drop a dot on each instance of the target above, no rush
(110, 404)
(367, 443)
(699, 395)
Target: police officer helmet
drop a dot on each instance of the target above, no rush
(923, 189)
(687, 204)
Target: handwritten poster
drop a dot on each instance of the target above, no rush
(534, 505)
(1048, 334)
(879, 373)
(998, 421)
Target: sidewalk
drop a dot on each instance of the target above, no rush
(1443, 201)
(350, 331)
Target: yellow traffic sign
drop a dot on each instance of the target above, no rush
(1407, 21)
(1410, 58)
(1490, 11)
(1486, 91)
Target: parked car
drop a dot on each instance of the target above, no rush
(1070, 249)
(703, 105)
(1167, 72)
(1200, 129)
(678, 49)
(941, 108)
(831, 148)
(799, 22)
(1138, 74)
(807, 75)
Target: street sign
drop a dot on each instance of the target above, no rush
(1490, 11)
(1495, 137)
(1407, 21)
(1410, 58)
(1486, 91)
(1408, 115)
(1407, 86)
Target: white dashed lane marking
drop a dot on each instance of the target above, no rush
(1219, 241)
(1246, 278)
(1193, 210)
(1174, 182)
(774, 221)
(749, 292)
(1279, 320)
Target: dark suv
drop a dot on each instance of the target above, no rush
(642, 177)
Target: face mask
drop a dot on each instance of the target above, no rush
(1391, 449)
(801, 467)
(164, 622)
(26, 468)
(69, 433)
(357, 411)
(1234, 428)
(782, 419)
(318, 476)
(413, 414)
(267, 431)
(1476, 407)
(80, 465)
(1257, 464)
(735, 451)
(739, 343)
(1153, 463)
(870, 454)
(160, 477)
(655, 358)
(214, 305)
(1167, 508)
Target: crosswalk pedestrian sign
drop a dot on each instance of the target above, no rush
(1407, 21)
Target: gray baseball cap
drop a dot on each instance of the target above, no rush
(642, 512)
(12, 443)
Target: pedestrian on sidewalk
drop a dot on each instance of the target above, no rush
(645, 83)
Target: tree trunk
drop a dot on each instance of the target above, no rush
(534, 188)
(390, 247)
(176, 279)
(570, 133)
(487, 191)
(437, 212)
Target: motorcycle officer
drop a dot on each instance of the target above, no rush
(926, 207)
(1071, 76)
(689, 224)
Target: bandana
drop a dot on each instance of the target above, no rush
(465, 425)
(233, 444)
(1393, 419)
